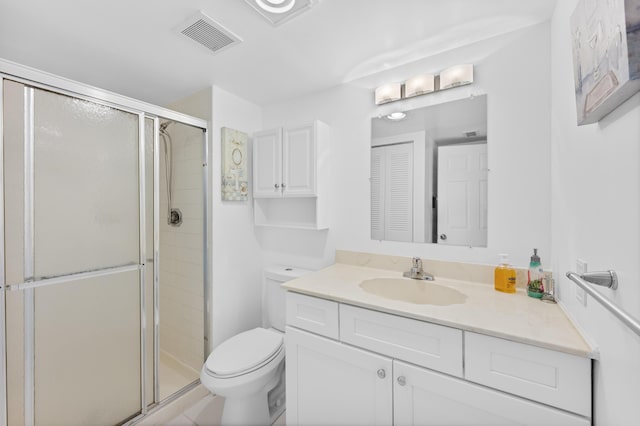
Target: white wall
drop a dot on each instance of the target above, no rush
(197, 104)
(236, 258)
(595, 217)
(515, 75)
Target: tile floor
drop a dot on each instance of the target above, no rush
(196, 407)
(206, 412)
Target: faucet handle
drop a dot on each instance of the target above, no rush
(417, 263)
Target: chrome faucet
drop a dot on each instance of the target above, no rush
(416, 271)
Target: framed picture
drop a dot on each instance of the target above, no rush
(606, 55)
(235, 186)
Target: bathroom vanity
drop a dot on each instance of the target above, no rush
(359, 353)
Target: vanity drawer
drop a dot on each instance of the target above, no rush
(313, 314)
(550, 377)
(429, 345)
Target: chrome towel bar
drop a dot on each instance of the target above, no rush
(606, 279)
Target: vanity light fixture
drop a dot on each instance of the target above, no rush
(388, 93)
(456, 76)
(396, 116)
(423, 84)
(419, 85)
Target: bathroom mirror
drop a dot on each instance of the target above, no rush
(429, 174)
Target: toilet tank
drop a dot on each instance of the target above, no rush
(273, 296)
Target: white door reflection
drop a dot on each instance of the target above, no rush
(462, 194)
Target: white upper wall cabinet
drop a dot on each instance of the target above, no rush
(267, 163)
(285, 161)
(299, 168)
(291, 176)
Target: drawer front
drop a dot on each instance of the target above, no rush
(543, 375)
(423, 397)
(429, 345)
(313, 314)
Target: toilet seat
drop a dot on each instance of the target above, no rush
(244, 353)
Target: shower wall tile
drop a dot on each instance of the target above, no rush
(181, 253)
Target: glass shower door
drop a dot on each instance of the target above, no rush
(181, 270)
(74, 259)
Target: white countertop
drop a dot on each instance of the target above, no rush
(515, 317)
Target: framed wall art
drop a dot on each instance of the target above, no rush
(606, 55)
(235, 186)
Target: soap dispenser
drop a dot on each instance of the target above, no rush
(505, 276)
(535, 287)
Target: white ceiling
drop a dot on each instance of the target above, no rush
(132, 46)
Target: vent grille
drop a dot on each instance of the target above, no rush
(471, 134)
(209, 33)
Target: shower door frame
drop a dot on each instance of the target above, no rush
(3, 346)
(40, 80)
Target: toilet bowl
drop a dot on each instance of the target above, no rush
(244, 369)
(248, 368)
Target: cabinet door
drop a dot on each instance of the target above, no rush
(267, 164)
(299, 161)
(329, 383)
(424, 397)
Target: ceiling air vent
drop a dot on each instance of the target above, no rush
(209, 33)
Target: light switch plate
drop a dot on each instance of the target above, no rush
(581, 268)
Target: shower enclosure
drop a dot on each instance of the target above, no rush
(103, 285)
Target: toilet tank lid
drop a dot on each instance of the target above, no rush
(284, 273)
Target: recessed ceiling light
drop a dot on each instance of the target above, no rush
(279, 11)
(276, 6)
(396, 116)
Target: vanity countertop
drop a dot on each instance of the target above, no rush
(515, 317)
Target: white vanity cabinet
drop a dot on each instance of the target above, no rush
(424, 397)
(348, 365)
(329, 383)
(290, 176)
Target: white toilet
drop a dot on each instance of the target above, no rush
(248, 368)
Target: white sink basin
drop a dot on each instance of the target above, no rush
(413, 291)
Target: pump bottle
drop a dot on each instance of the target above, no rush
(505, 276)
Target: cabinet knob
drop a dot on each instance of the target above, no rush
(402, 381)
(283, 185)
(277, 185)
(443, 237)
(382, 374)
